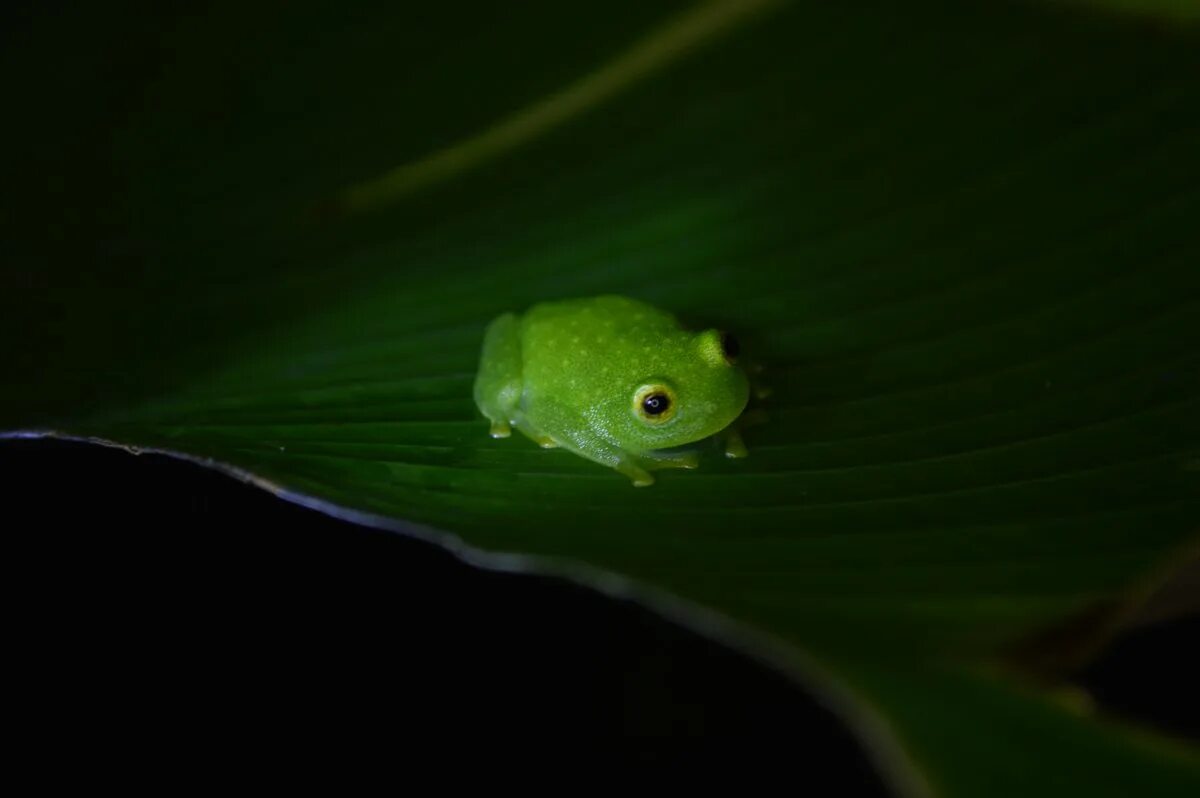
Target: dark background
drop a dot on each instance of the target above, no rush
(159, 606)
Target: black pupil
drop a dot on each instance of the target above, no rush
(730, 346)
(655, 404)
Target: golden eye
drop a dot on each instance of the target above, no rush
(654, 404)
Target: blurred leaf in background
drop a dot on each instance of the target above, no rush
(961, 235)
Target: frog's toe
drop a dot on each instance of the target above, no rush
(546, 442)
(500, 429)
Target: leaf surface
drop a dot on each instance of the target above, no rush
(962, 236)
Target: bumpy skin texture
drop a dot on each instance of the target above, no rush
(612, 379)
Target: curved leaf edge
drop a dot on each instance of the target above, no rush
(880, 742)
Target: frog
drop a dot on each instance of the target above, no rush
(615, 380)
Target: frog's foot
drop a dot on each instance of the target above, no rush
(500, 429)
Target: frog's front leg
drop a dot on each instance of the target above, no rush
(629, 467)
(735, 447)
(638, 467)
(569, 429)
(671, 458)
(730, 438)
(498, 385)
(606, 453)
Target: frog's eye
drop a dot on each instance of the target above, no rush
(730, 346)
(654, 404)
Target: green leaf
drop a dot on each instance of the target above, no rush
(961, 235)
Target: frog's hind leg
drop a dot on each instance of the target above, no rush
(500, 429)
(498, 385)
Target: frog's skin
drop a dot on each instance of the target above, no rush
(614, 380)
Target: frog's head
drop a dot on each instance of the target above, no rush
(696, 391)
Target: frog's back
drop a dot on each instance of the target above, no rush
(583, 348)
